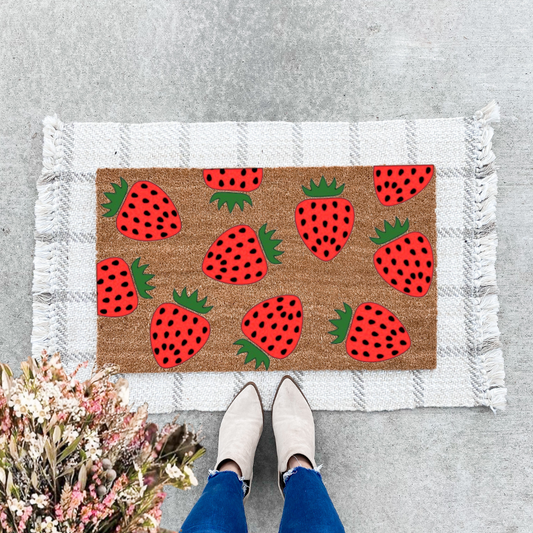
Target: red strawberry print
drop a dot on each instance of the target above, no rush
(178, 331)
(405, 260)
(274, 327)
(376, 334)
(239, 256)
(398, 183)
(146, 213)
(117, 286)
(237, 180)
(324, 222)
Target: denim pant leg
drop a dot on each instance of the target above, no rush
(308, 507)
(220, 508)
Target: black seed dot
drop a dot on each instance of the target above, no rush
(378, 173)
(359, 318)
(407, 290)
(109, 289)
(135, 232)
(394, 282)
(313, 205)
(118, 309)
(412, 252)
(284, 351)
(149, 235)
(412, 191)
(419, 289)
(424, 250)
(387, 198)
(106, 300)
(254, 334)
(378, 188)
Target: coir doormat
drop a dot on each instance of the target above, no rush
(241, 249)
(270, 274)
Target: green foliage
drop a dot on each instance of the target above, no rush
(323, 190)
(191, 302)
(231, 199)
(269, 245)
(341, 324)
(115, 198)
(254, 353)
(141, 279)
(390, 232)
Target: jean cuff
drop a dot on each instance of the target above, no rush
(244, 485)
(295, 470)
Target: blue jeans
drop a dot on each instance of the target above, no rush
(308, 508)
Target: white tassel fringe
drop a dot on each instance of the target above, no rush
(486, 243)
(44, 319)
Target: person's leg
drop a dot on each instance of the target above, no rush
(308, 507)
(220, 509)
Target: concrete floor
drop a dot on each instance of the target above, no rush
(431, 470)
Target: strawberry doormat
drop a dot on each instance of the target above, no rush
(233, 269)
(335, 260)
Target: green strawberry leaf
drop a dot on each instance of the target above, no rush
(115, 198)
(231, 199)
(141, 279)
(191, 302)
(323, 190)
(390, 232)
(341, 324)
(269, 245)
(254, 353)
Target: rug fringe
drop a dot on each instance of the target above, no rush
(486, 241)
(46, 209)
(52, 144)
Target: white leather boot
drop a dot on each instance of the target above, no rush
(294, 427)
(240, 431)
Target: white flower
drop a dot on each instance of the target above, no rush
(48, 525)
(16, 506)
(36, 445)
(92, 446)
(192, 477)
(70, 434)
(173, 472)
(40, 500)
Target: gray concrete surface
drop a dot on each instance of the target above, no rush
(433, 470)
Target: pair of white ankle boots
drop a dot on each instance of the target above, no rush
(242, 425)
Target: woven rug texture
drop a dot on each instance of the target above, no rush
(469, 368)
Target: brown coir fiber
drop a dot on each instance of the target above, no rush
(322, 286)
